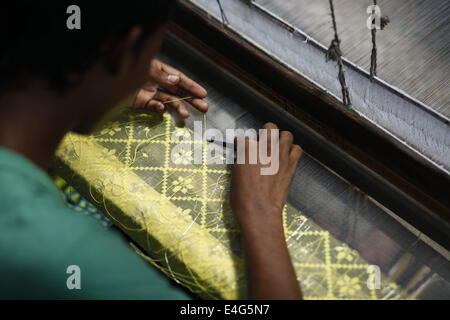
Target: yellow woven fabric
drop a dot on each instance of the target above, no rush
(179, 218)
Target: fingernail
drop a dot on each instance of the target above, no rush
(161, 107)
(172, 78)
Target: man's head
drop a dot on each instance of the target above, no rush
(104, 61)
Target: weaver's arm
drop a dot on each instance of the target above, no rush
(257, 201)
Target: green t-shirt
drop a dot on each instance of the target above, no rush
(40, 238)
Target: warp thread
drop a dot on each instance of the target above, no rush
(334, 53)
(222, 13)
(384, 20)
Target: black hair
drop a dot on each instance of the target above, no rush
(35, 42)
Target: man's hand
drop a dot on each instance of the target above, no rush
(168, 88)
(254, 194)
(258, 201)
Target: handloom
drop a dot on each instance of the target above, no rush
(396, 138)
(178, 217)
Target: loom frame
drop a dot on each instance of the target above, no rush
(349, 144)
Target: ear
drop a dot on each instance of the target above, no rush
(121, 52)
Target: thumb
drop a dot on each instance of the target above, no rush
(165, 78)
(172, 79)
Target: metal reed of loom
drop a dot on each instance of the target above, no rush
(413, 51)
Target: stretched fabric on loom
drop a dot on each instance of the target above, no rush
(413, 51)
(178, 215)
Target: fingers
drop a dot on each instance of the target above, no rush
(170, 101)
(176, 77)
(154, 105)
(269, 127)
(177, 83)
(295, 154)
(159, 102)
(146, 100)
(294, 157)
(162, 77)
(142, 99)
(286, 141)
(251, 150)
(266, 136)
(197, 103)
(286, 138)
(150, 86)
(287, 147)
